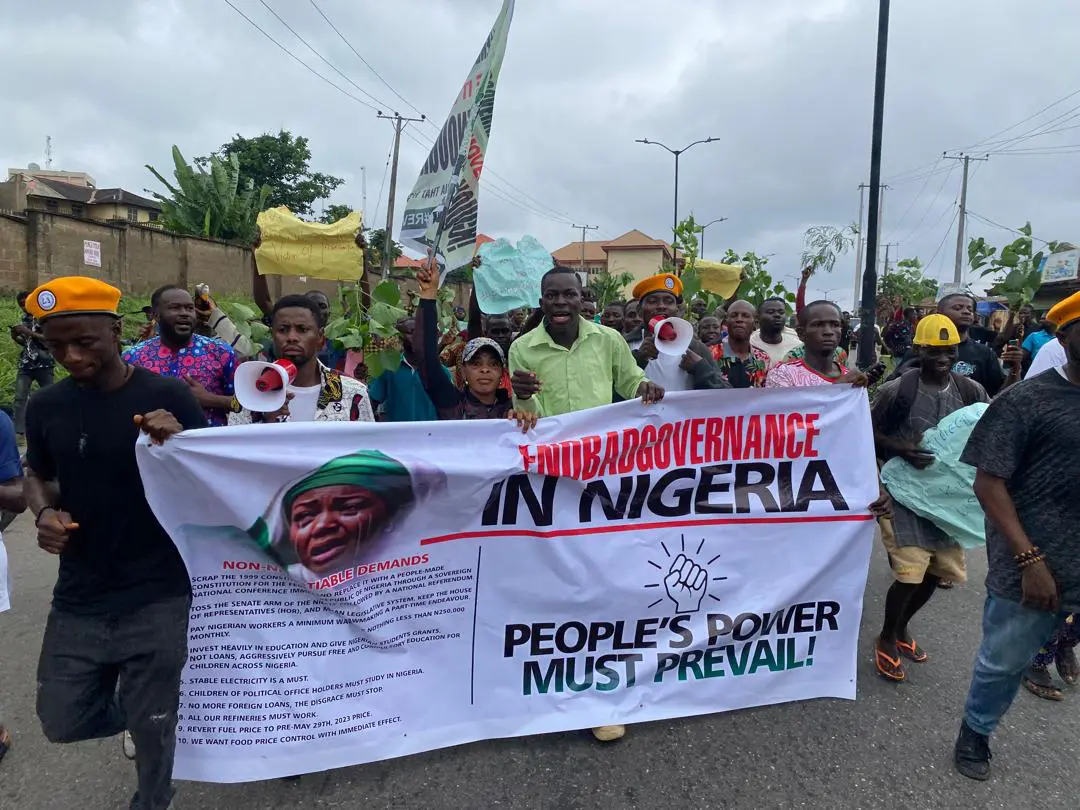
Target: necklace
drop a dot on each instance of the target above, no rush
(83, 437)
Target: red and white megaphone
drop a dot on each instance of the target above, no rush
(673, 335)
(261, 387)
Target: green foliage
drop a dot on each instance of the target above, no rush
(334, 212)
(904, 286)
(686, 242)
(281, 163)
(609, 288)
(757, 284)
(374, 331)
(211, 203)
(824, 244)
(376, 244)
(1015, 269)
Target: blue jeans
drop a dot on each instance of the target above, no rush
(1012, 634)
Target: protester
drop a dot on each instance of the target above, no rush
(819, 330)
(318, 394)
(35, 362)
(1051, 355)
(614, 316)
(399, 395)
(772, 335)
(920, 553)
(207, 365)
(497, 327)
(698, 308)
(11, 502)
(1024, 449)
(569, 364)
(975, 360)
(1034, 342)
(483, 367)
(631, 318)
(660, 296)
(742, 364)
(116, 638)
(709, 329)
(221, 326)
(1060, 651)
(900, 332)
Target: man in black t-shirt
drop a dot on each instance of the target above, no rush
(116, 638)
(1024, 449)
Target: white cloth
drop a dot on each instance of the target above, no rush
(1051, 355)
(5, 583)
(777, 351)
(302, 406)
(665, 371)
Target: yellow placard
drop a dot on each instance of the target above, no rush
(722, 279)
(292, 247)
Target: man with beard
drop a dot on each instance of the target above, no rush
(205, 364)
(116, 638)
(660, 296)
(318, 393)
(920, 553)
(741, 363)
(773, 335)
(569, 364)
(1024, 449)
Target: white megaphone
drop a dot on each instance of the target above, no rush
(672, 335)
(261, 387)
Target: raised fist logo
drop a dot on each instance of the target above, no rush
(685, 583)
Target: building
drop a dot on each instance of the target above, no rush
(634, 252)
(74, 194)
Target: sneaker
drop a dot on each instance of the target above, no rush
(128, 745)
(972, 754)
(609, 733)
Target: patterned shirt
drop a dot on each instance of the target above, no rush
(796, 374)
(34, 355)
(207, 360)
(748, 373)
(798, 353)
(341, 399)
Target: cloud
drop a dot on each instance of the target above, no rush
(786, 88)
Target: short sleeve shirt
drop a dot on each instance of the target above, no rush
(208, 360)
(1030, 437)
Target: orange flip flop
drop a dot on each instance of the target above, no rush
(889, 668)
(912, 651)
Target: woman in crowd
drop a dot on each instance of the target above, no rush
(482, 363)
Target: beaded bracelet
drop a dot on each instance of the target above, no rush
(1030, 561)
(1025, 556)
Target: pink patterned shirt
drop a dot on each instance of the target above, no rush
(796, 374)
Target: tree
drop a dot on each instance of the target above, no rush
(686, 242)
(215, 203)
(334, 212)
(376, 241)
(609, 288)
(280, 162)
(824, 244)
(757, 284)
(905, 286)
(1017, 268)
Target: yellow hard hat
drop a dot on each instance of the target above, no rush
(936, 330)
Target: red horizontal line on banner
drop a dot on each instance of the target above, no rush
(629, 527)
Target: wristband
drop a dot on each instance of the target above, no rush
(41, 511)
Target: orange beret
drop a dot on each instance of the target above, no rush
(1065, 312)
(662, 282)
(73, 295)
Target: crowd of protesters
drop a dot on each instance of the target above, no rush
(115, 640)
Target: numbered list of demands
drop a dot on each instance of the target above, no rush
(237, 693)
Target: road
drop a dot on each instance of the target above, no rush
(890, 748)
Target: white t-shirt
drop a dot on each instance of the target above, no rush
(665, 371)
(304, 401)
(5, 583)
(1051, 355)
(788, 340)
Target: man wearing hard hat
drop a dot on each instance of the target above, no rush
(920, 553)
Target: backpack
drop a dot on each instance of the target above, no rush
(909, 389)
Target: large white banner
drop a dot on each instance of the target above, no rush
(366, 591)
(442, 208)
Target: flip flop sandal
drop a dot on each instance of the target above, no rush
(946, 584)
(5, 742)
(889, 668)
(912, 651)
(1039, 684)
(1068, 667)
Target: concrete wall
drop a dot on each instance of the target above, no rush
(640, 263)
(12, 251)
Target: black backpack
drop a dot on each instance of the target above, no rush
(909, 389)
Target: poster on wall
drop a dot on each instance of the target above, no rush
(91, 252)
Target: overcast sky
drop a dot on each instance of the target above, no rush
(785, 85)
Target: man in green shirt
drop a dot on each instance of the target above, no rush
(568, 363)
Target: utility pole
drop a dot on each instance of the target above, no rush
(399, 125)
(584, 228)
(885, 269)
(363, 190)
(48, 151)
(958, 275)
(859, 247)
(869, 282)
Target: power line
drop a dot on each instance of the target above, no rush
(382, 185)
(941, 244)
(325, 61)
(365, 61)
(297, 58)
(1023, 120)
(1004, 227)
(929, 208)
(911, 205)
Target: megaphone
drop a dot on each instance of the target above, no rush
(673, 335)
(261, 387)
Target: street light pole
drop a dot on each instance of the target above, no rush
(676, 153)
(701, 251)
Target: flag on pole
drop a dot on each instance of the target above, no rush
(441, 211)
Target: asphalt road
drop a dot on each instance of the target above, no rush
(891, 748)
